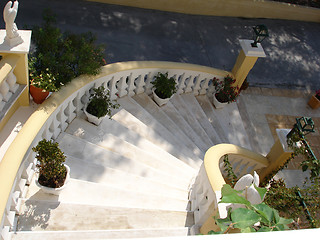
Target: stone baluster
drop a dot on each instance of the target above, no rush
(5, 91)
(12, 82)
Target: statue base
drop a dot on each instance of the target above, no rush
(12, 42)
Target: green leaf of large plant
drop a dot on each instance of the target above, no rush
(244, 218)
(262, 191)
(229, 195)
(266, 213)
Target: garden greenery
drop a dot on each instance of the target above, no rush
(100, 103)
(164, 87)
(249, 217)
(63, 55)
(52, 172)
(225, 92)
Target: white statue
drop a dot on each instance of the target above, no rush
(247, 183)
(9, 16)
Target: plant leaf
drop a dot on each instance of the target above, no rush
(262, 191)
(265, 229)
(229, 195)
(265, 211)
(243, 218)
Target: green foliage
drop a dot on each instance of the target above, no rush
(231, 176)
(300, 146)
(288, 203)
(67, 55)
(164, 87)
(50, 158)
(225, 92)
(250, 218)
(100, 103)
(43, 80)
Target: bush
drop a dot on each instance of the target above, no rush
(100, 103)
(67, 55)
(164, 87)
(288, 203)
(52, 172)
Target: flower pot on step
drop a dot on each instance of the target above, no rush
(38, 94)
(55, 191)
(314, 102)
(217, 103)
(160, 101)
(91, 118)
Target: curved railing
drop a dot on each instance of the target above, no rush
(53, 116)
(205, 192)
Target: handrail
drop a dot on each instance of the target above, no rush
(213, 156)
(206, 190)
(71, 96)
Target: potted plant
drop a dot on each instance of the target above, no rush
(53, 173)
(41, 82)
(99, 105)
(164, 88)
(314, 101)
(225, 92)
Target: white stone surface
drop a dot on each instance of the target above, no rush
(251, 51)
(21, 48)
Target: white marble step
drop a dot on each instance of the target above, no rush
(101, 158)
(231, 122)
(160, 139)
(92, 134)
(124, 180)
(98, 135)
(210, 112)
(188, 115)
(102, 234)
(73, 217)
(194, 107)
(148, 104)
(103, 195)
(174, 115)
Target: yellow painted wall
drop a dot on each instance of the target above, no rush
(230, 8)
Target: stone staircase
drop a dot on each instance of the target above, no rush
(130, 176)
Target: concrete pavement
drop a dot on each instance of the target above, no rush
(130, 34)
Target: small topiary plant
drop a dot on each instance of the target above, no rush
(52, 172)
(164, 87)
(100, 103)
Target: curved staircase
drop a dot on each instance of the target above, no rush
(131, 175)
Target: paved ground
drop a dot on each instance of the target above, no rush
(293, 49)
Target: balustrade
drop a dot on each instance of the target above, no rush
(53, 117)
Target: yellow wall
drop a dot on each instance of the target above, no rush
(231, 8)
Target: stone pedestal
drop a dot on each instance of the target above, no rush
(246, 60)
(279, 153)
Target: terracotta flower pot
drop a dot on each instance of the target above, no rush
(38, 94)
(314, 102)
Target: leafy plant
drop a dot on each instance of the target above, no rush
(67, 55)
(52, 172)
(249, 218)
(224, 90)
(100, 103)
(231, 176)
(43, 80)
(300, 146)
(164, 87)
(288, 202)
